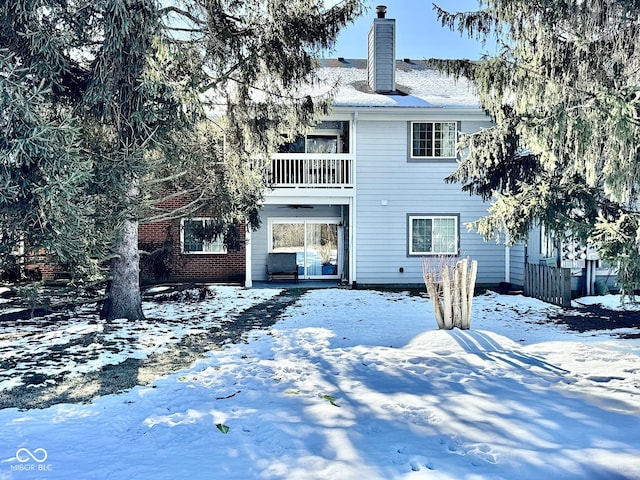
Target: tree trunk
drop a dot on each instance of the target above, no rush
(452, 297)
(465, 314)
(434, 295)
(123, 292)
(446, 298)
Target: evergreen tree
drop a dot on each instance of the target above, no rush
(564, 91)
(43, 173)
(140, 81)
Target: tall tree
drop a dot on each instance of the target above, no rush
(141, 80)
(564, 91)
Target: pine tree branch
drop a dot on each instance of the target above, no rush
(179, 213)
(478, 24)
(175, 213)
(184, 29)
(184, 13)
(170, 178)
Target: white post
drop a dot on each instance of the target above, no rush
(248, 273)
(353, 247)
(507, 264)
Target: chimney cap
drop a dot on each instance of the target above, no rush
(381, 10)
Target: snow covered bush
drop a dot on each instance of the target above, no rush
(450, 285)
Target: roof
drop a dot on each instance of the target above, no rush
(417, 85)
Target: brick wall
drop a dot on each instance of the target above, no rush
(173, 265)
(40, 266)
(178, 266)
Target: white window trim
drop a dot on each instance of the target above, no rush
(411, 217)
(427, 157)
(184, 252)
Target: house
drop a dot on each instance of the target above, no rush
(362, 198)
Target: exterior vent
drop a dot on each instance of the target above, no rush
(382, 53)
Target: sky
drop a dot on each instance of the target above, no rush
(418, 32)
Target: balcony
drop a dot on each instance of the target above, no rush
(331, 170)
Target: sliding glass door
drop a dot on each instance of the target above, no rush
(316, 243)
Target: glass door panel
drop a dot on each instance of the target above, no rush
(322, 249)
(289, 238)
(316, 246)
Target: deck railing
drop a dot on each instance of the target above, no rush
(313, 171)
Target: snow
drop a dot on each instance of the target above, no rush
(348, 384)
(426, 88)
(22, 345)
(613, 302)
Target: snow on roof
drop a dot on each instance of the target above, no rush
(416, 86)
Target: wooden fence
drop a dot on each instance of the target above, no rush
(549, 284)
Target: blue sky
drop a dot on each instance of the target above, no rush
(418, 32)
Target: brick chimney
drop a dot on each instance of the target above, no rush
(382, 53)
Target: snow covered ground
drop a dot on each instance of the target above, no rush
(347, 384)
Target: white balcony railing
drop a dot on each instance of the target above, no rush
(312, 171)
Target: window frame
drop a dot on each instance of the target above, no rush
(219, 241)
(419, 158)
(432, 216)
(305, 222)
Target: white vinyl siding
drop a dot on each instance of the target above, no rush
(191, 237)
(389, 188)
(516, 261)
(262, 239)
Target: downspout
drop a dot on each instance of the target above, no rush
(248, 271)
(353, 249)
(507, 259)
(507, 264)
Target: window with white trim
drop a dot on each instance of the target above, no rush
(433, 235)
(433, 139)
(193, 232)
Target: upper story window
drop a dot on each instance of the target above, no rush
(326, 137)
(194, 231)
(433, 139)
(433, 235)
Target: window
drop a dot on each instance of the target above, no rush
(327, 137)
(194, 230)
(433, 139)
(322, 143)
(431, 234)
